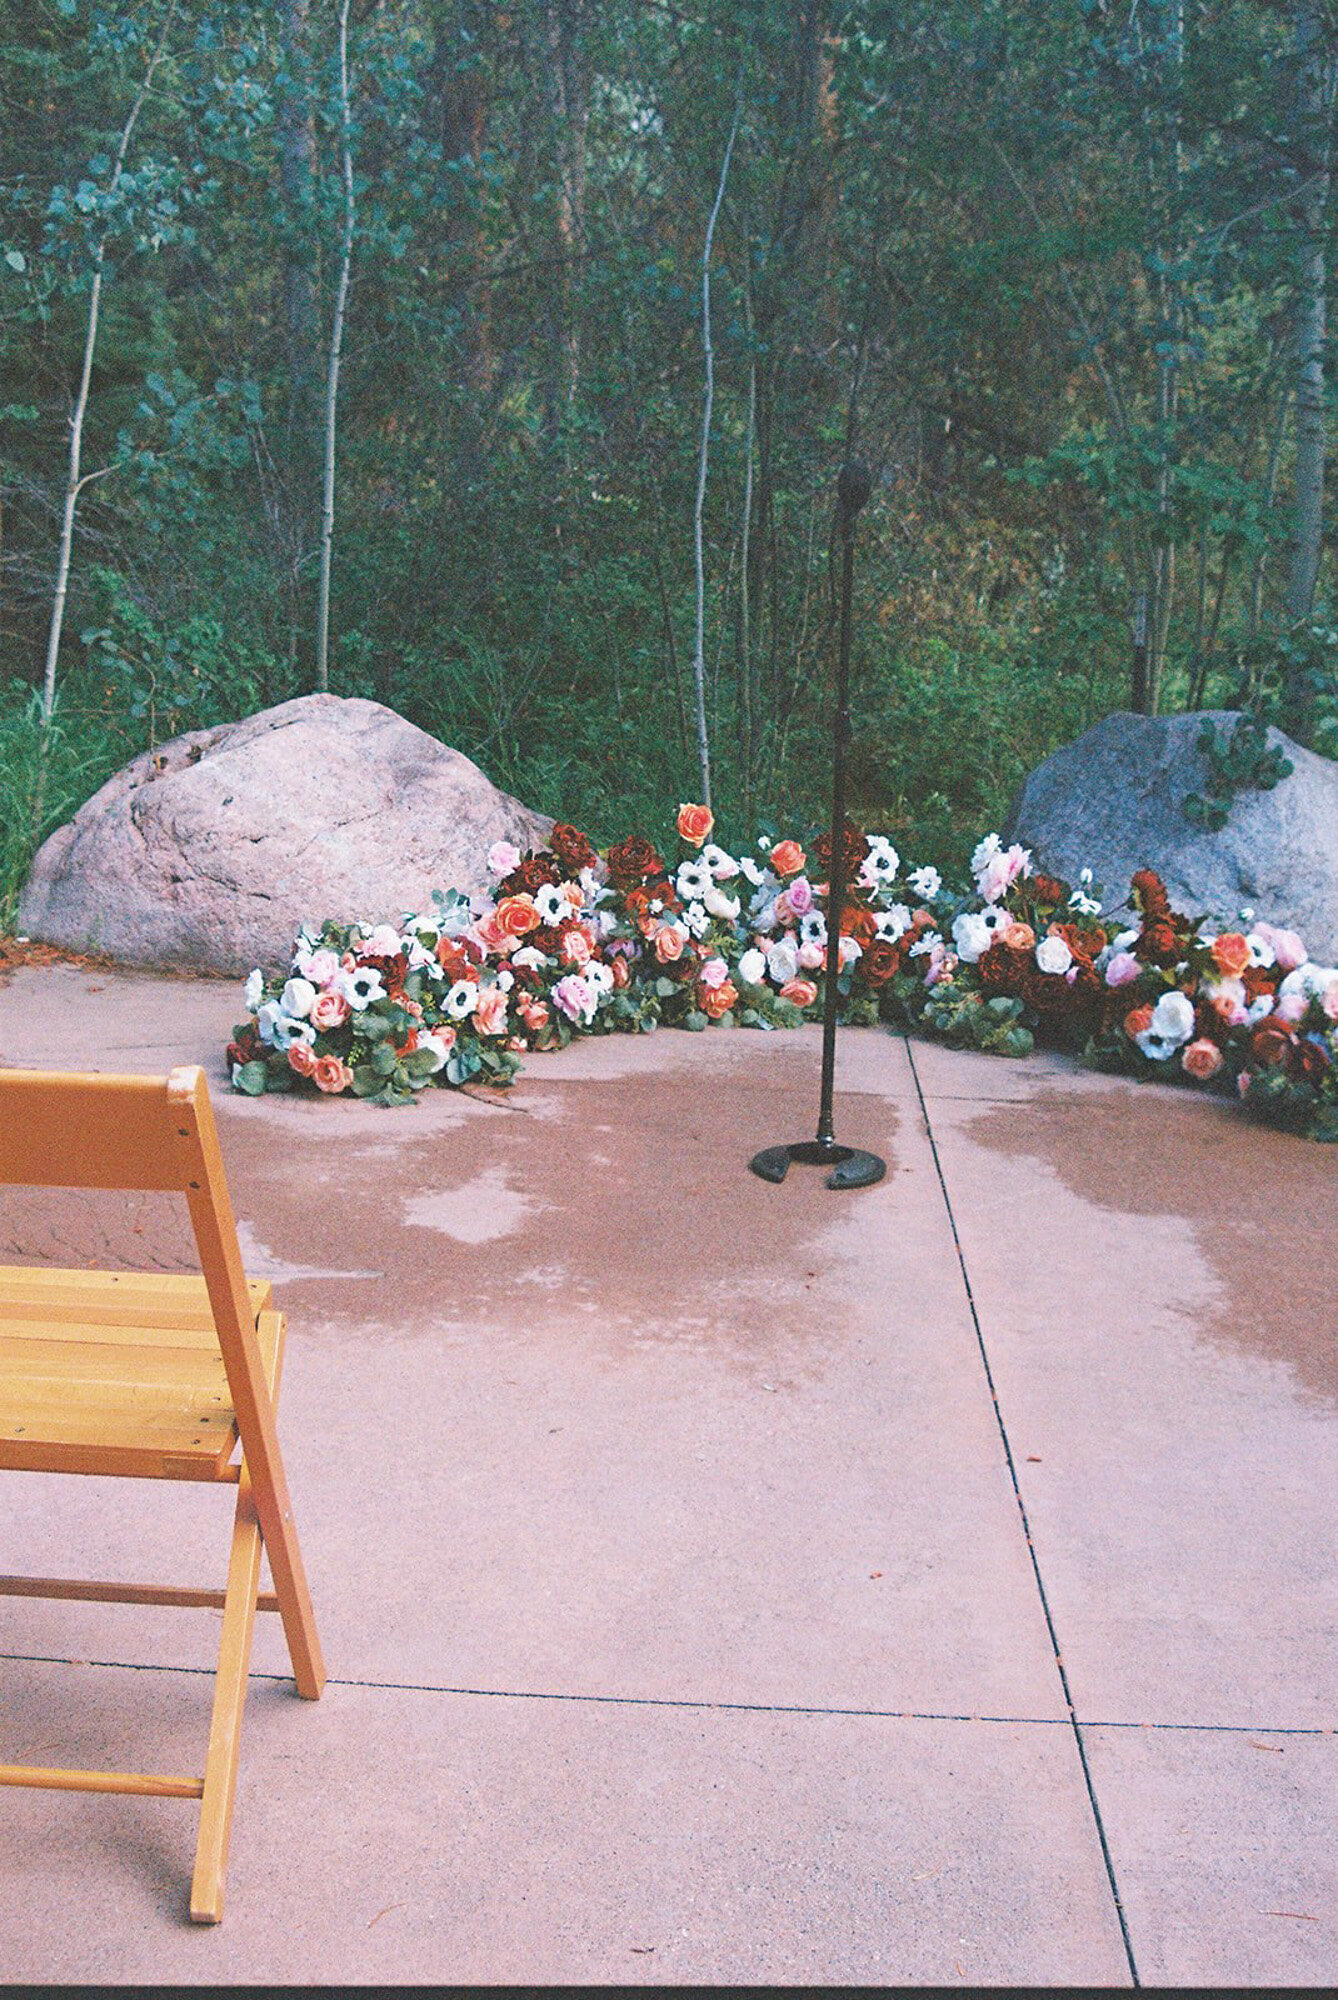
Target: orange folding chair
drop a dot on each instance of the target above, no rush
(148, 1377)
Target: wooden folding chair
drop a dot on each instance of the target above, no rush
(149, 1377)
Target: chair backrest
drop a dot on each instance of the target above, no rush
(61, 1129)
(78, 1130)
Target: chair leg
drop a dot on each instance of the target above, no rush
(234, 1654)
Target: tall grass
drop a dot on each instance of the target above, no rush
(45, 776)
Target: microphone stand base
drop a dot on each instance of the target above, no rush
(851, 1168)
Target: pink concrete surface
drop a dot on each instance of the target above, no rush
(664, 1543)
(383, 1836)
(1165, 1360)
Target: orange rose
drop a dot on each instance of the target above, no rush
(669, 943)
(787, 857)
(1202, 1059)
(622, 972)
(1231, 954)
(301, 1059)
(1137, 1021)
(802, 992)
(1018, 937)
(331, 1075)
(860, 924)
(694, 824)
(516, 914)
(717, 1000)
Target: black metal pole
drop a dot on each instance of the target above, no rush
(850, 1166)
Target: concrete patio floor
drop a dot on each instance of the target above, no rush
(718, 1582)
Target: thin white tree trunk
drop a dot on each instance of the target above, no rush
(73, 481)
(703, 467)
(332, 377)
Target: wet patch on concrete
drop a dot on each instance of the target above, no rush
(1262, 1206)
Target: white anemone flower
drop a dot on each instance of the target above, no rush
(693, 880)
(360, 987)
(461, 1000)
(254, 991)
(696, 919)
(722, 866)
(882, 860)
(1262, 953)
(892, 923)
(925, 943)
(813, 927)
(551, 904)
(926, 883)
(288, 1029)
(598, 976)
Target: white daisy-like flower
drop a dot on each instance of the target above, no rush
(758, 876)
(288, 1029)
(693, 879)
(722, 866)
(882, 860)
(891, 923)
(360, 986)
(551, 904)
(926, 883)
(925, 944)
(254, 991)
(461, 1000)
(996, 918)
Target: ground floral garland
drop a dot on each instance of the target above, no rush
(572, 942)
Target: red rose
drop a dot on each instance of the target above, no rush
(535, 872)
(572, 848)
(881, 959)
(632, 860)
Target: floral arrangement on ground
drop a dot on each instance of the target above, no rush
(573, 942)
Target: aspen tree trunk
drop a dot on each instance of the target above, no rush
(1313, 94)
(74, 482)
(332, 377)
(703, 467)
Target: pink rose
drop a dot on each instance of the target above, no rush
(1202, 1059)
(502, 858)
(1122, 968)
(812, 957)
(669, 942)
(1291, 1007)
(714, 973)
(328, 1010)
(331, 1075)
(799, 895)
(490, 1013)
(1288, 949)
(319, 967)
(492, 934)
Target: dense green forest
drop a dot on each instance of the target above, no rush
(495, 361)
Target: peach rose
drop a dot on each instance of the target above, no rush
(534, 1013)
(491, 935)
(802, 992)
(301, 1059)
(329, 1010)
(622, 972)
(717, 1000)
(787, 857)
(1018, 937)
(694, 824)
(490, 1013)
(1202, 1059)
(516, 914)
(576, 947)
(669, 943)
(1137, 1021)
(331, 1075)
(1231, 954)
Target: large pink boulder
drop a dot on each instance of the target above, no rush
(209, 852)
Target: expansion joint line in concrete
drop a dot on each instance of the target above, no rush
(1033, 1557)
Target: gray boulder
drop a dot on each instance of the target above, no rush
(1114, 801)
(210, 852)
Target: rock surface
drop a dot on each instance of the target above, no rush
(1114, 801)
(210, 852)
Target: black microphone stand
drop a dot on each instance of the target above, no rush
(851, 1168)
